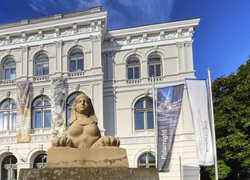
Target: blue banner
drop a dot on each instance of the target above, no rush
(169, 100)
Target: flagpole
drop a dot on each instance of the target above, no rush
(155, 121)
(212, 123)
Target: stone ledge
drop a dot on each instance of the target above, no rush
(89, 174)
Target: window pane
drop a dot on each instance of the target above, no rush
(47, 120)
(37, 119)
(158, 70)
(130, 73)
(7, 74)
(142, 159)
(149, 103)
(13, 121)
(1, 121)
(13, 105)
(139, 120)
(68, 115)
(150, 120)
(13, 73)
(137, 72)
(45, 69)
(139, 104)
(151, 159)
(151, 71)
(39, 70)
(5, 120)
(72, 66)
(46, 103)
(80, 64)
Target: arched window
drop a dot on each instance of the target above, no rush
(69, 104)
(40, 161)
(41, 110)
(9, 168)
(154, 65)
(76, 60)
(143, 114)
(133, 68)
(9, 69)
(146, 160)
(41, 64)
(8, 115)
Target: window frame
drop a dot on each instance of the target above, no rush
(145, 110)
(147, 164)
(41, 59)
(9, 64)
(40, 164)
(42, 109)
(78, 58)
(154, 61)
(5, 174)
(133, 67)
(6, 107)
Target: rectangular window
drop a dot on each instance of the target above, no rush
(1, 122)
(80, 64)
(45, 69)
(130, 73)
(137, 72)
(158, 70)
(13, 73)
(139, 120)
(37, 119)
(72, 66)
(7, 74)
(151, 71)
(47, 118)
(150, 120)
(13, 123)
(39, 70)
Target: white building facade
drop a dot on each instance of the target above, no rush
(114, 68)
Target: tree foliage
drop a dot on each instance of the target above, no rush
(231, 97)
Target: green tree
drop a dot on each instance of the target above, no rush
(231, 98)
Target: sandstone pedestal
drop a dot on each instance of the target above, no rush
(89, 174)
(108, 163)
(63, 157)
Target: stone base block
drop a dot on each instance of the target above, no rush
(89, 174)
(64, 157)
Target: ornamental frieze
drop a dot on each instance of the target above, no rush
(48, 35)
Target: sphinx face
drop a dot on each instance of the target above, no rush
(82, 105)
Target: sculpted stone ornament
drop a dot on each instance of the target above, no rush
(83, 131)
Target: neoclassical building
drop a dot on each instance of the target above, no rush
(46, 62)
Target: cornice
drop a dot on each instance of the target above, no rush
(170, 26)
(50, 23)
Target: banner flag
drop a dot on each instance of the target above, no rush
(169, 100)
(23, 93)
(199, 102)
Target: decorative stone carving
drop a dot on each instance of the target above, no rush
(16, 40)
(33, 37)
(58, 106)
(67, 32)
(83, 131)
(49, 35)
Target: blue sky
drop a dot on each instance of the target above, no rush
(221, 41)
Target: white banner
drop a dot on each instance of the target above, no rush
(199, 102)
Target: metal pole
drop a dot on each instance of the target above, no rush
(212, 123)
(155, 120)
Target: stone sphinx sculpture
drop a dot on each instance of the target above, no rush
(83, 131)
